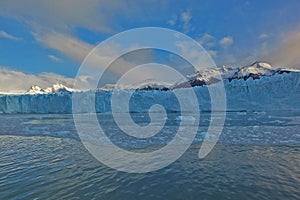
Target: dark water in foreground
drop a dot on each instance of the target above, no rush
(257, 157)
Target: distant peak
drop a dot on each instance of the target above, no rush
(262, 64)
(55, 88)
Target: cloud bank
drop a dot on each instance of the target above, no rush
(12, 81)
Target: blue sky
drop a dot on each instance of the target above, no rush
(55, 36)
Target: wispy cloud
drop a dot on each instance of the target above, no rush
(186, 18)
(66, 44)
(172, 21)
(96, 15)
(182, 21)
(207, 40)
(55, 58)
(97, 59)
(68, 14)
(226, 41)
(194, 55)
(9, 36)
(212, 53)
(263, 36)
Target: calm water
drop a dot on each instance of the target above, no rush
(257, 157)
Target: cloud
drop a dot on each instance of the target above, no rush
(66, 44)
(182, 21)
(172, 21)
(97, 57)
(19, 82)
(207, 40)
(186, 18)
(236, 60)
(9, 36)
(195, 55)
(263, 36)
(226, 41)
(54, 24)
(210, 43)
(65, 16)
(55, 58)
(212, 53)
(287, 53)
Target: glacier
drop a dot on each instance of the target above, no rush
(257, 87)
(276, 92)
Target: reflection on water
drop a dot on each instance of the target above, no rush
(257, 157)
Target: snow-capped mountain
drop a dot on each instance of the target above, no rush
(56, 88)
(212, 75)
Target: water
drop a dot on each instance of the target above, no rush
(257, 157)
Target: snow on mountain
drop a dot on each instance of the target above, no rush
(34, 89)
(209, 76)
(56, 88)
(257, 87)
(254, 71)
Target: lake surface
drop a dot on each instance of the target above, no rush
(256, 157)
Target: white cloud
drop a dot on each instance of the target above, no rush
(18, 82)
(97, 57)
(95, 15)
(182, 21)
(78, 50)
(66, 44)
(186, 18)
(54, 23)
(236, 60)
(263, 36)
(172, 21)
(8, 36)
(212, 53)
(194, 55)
(62, 14)
(207, 40)
(54, 58)
(226, 41)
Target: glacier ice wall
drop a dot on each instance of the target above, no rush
(277, 92)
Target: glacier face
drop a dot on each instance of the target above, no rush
(276, 92)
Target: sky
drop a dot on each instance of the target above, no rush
(42, 42)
